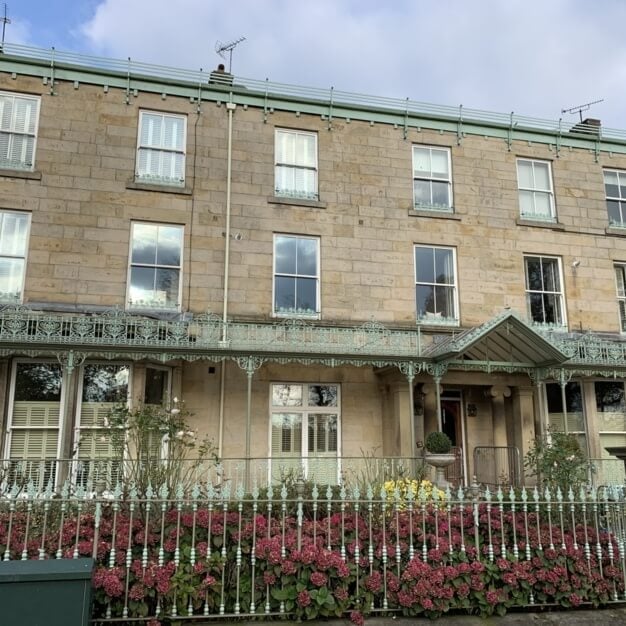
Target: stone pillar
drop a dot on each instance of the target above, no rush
(402, 413)
(523, 420)
(498, 393)
(430, 408)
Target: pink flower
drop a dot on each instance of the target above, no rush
(356, 617)
(319, 579)
(304, 599)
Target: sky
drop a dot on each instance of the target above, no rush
(531, 57)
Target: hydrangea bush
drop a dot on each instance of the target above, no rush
(180, 561)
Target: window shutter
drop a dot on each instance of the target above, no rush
(33, 444)
(6, 112)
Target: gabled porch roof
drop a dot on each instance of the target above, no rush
(504, 339)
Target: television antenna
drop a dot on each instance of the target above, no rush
(222, 48)
(5, 20)
(580, 108)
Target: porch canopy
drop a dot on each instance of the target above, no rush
(504, 341)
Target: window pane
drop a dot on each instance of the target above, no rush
(525, 174)
(169, 245)
(550, 275)
(421, 162)
(173, 135)
(322, 395)
(156, 386)
(151, 129)
(542, 176)
(424, 265)
(285, 255)
(613, 208)
(425, 300)
(421, 189)
(166, 287)
(285, 147)
(142, 284)
(284, 294)
(38, 382)
(306, 262)
(287, 395)
(13, 235)
(444, 268)
(444, 299)
(610, 396)
(610, 179)
(533, 274)
(144, 244)
(621, 283)
(305, 150)
(542, 204)
(105, 383)
(526, 203)
(552, 308)
(306, 295)
(535, 304)
(439, 164)
(11, 274)
(441, 194)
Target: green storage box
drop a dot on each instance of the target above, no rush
(55, 592)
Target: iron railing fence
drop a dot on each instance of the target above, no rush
(107, 474)
(497, 465)
(222, 554)
(331, 97)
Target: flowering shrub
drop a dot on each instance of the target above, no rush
(405, 489)
(182, 559)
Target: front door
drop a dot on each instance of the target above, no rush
(452, 425)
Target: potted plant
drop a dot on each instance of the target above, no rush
(438, 454)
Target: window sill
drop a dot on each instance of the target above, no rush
(438, 323)
(616, 231)
(297, 316)
(185, 191)
(444, 215)
(26, 174)
(313, 204)
(520, 221)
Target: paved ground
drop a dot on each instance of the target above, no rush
(592, 617)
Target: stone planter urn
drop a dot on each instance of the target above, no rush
(440, 462)
(438, 454)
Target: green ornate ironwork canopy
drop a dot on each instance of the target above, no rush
(505, 343)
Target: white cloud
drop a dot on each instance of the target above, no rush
(530, 56)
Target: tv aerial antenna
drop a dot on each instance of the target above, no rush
(5, 20)
(581, 107)
(223, 48)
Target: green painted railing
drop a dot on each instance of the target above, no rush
(333, 98)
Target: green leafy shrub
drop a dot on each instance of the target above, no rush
(556, 460)
(438, 443)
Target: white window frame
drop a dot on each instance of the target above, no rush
(620, 289)
(432, 178)
(78, 426)
(294, 313)
(15, 297)
(295, 193)
(304, 411)
(534, 191)
(21, 164)
(162, 179)
(620, 199)
(560, 293)
(434, 319)
(34, 470)
(147, 306)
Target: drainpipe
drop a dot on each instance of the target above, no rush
(230, 107)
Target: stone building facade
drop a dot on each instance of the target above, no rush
(320, 277)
